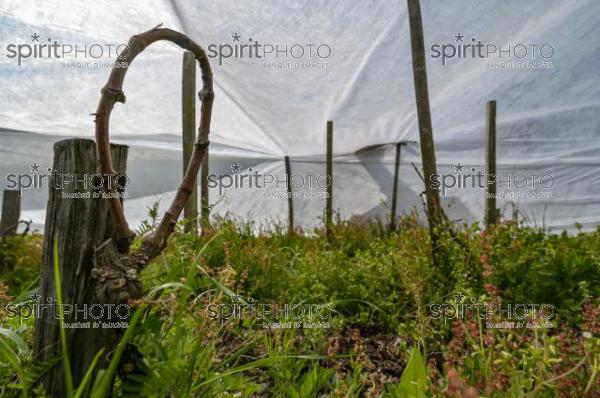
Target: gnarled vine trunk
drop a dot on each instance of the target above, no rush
(94, 239)
(116, 270)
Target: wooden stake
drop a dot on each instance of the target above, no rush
(288, 173)
(329, 171)
(395, 187)
(204, 204)
(424, 117)
(80, 222)
(491, 212)
(11, 212)
(188, 121)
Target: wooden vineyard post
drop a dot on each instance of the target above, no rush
(288, 173)
(79, 218)
(395, 187)
(434, 214)
(204, 204)
(11, 212)
(188, 107)
(329, 171)
(491, 212)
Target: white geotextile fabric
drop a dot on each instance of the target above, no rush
(547, 119)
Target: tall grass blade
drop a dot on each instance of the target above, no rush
(19, 342)
(88, 375)
(167, 285)
(105, 384)
(259, 363)
(63, 336)
(9, 355)
(28, 291)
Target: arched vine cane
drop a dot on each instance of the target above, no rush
(115, 269)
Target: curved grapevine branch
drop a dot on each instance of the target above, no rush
(112, 93)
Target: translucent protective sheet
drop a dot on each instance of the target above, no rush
(548, 120)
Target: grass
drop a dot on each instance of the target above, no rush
(381, 341)
(63, 335)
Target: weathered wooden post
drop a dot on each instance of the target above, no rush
(434, 213)
(79, 218)
(329, 171)
(491, 212)
(188, 112)
(11, 212)
(204, 204)
(395, 187)
(288, 173)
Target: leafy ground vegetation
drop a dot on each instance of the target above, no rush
(385, 336)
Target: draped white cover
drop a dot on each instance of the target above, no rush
(547, 119)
